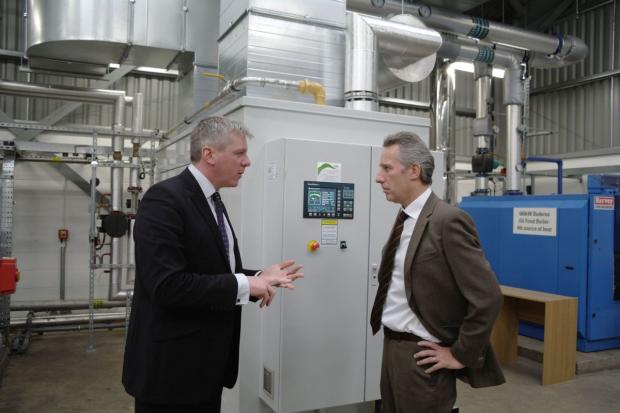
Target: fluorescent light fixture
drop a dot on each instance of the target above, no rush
(148, 70)
(469, 67)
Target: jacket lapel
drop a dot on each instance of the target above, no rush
(416, 237)
(201, 204)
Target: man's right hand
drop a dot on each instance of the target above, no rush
(260, 288)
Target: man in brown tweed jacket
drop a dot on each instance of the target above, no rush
(438, 296)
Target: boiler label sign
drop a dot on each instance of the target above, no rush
(604, 202)
(535, 221)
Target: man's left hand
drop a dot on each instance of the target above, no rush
(440, 357)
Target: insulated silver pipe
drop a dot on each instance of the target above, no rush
(483, 95)
(60, 305)
(67, 319)
(118, 143)
(468, 50)
(513, 149)
(444, 125)
(77, 327)
(563, 47)
(361, 65)
(102, 96)
(483, 128)
(134, 182)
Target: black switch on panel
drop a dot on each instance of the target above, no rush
(343, 245)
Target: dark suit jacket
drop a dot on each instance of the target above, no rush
(183, 335)
(453, 290)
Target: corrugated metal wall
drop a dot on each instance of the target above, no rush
(582, 115)
(465, 98)
(11, 21)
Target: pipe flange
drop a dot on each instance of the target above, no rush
(360, 95)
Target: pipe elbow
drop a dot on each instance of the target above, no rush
(314, 88)
(577, 51)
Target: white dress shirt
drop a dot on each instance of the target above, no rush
(397, 315)
(243, 286)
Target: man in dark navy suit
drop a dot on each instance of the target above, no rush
(183, 335)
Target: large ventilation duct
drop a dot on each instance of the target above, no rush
(85, 36)
(556, 47)
(406, 47)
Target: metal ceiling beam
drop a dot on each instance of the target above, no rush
(67, 108)
(6, 118)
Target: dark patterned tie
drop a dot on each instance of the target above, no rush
(221, 225)
(385, 271)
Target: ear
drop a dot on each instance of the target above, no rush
(208, 155)
(414, 172)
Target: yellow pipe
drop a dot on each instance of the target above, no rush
(215, 75)
(315, 88)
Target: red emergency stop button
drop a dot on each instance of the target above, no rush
(313, 245)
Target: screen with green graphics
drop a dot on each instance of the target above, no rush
(328, 200)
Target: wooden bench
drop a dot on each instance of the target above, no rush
(558, 315)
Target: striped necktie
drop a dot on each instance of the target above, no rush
(221, 225)
(385, 271)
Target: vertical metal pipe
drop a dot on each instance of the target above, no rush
(93, 252)
(63, 255)
(116, 274)
(361, 65)
(444, 125)
(513, 99)
(513, 149)
(134, 180)
(483, 131)
(483, 93)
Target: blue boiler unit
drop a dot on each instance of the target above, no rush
(560, 244)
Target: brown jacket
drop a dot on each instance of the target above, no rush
(453, 290)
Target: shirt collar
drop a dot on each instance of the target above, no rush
(414, 208)
(207, 187)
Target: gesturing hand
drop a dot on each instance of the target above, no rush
(440, 357)
(283, 274)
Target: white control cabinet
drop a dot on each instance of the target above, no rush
(317, 349)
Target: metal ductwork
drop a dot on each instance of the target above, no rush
(406, 47)
(85, 36)
(554, 48)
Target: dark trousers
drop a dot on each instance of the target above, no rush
(212, 406)
(405, 387)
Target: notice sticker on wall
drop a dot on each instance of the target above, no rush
(329, 172)
(604, 202)
(329, 232)
(535, 221)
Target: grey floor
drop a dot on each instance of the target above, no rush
(57, 375)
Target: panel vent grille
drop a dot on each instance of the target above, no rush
(268, 381)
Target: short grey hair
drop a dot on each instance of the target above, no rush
(215, 131)
(413, 151)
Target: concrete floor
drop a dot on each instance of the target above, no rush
(57, 375)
